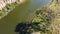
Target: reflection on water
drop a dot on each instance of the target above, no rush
(24, 12)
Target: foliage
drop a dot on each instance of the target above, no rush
(8, 8)
(44, 18)
(51, 12)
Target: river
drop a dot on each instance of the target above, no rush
(23, 12)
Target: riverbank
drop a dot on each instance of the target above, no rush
(53, 13)
(8, 6)
(3, 3)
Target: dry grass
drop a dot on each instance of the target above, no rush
(55, 6)
(55, 23)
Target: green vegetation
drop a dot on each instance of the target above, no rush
(48, 18)
(8, 8)
(44, 18)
